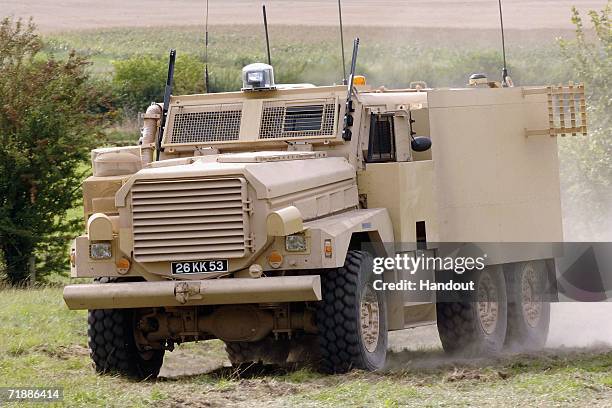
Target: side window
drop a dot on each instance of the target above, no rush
(381, 145)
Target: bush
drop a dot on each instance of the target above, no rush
(48, 119)
(140, 80)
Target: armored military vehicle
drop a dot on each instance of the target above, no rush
(257, 216)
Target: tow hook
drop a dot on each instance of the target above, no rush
(185, 291)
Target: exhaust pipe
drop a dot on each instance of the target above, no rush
(149, 133)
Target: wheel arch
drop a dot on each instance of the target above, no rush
(350, 231)
(369, 241)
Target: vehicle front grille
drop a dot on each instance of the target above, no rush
(195, 219)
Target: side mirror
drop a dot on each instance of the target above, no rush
(421, 144)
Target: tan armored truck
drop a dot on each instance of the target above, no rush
(260, 217)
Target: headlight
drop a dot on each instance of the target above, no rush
(295, 243)
(100, 250)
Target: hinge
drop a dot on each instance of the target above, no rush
(249, 242)
(247, 206)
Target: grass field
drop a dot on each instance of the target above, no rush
(44, 344)
(388, 56)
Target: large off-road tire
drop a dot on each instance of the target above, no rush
(113, 347)
(477, 327)
(528, 310)
(266, 351)
(352, 318)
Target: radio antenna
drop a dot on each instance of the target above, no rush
(166, 107)
(265, 17)
(206, 78)
(342, 43)
(506, 80)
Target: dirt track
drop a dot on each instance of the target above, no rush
(573, 326)
(414, 356)
(475, 14)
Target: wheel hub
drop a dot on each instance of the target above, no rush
(140, 323)
(487, 306)
(532, 307)
(369, 319)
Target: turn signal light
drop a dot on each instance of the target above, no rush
(275, 259)
(123, 266)
(359, 80)
(327, 248)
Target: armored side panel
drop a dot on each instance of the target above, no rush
(492, 182)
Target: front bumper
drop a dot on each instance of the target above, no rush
(193, 293)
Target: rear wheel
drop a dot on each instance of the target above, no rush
(352, 318)
(478, 327)
(528, 313)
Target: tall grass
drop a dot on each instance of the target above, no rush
(391, 57)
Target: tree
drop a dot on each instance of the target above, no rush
(49, 116)
(587, 163)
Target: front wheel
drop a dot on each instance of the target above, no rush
(352, 318)
(113, 346)
(112, 343)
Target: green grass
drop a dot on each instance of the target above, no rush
(388, 56)
(44, 344)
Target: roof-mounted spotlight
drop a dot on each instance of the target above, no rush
(258, 77)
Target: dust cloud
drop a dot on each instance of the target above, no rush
(581, 324)
(574, 327)
(574, 324)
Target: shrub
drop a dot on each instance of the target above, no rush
(48, 119)
(140, 80)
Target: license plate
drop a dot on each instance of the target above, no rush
(206, 266)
